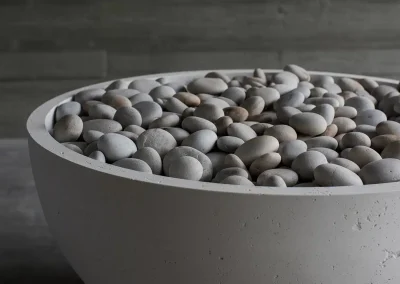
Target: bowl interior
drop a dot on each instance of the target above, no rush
(41, 122)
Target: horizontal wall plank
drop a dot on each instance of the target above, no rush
(19, 99)
(134, 64)
(197, 26)
(382, 62)
(57, 65)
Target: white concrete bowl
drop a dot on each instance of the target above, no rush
(117, 226)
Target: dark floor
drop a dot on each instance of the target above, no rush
(28, 253)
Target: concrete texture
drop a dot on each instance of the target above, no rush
(28, 253)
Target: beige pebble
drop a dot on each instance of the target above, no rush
(344, 124)
(269, 95)
(259, 128)
(212, 86)
(346, 111)
(188, 99)
(222, 124)
(331, 130)
(378, 143)
(69, 128)
(238, 114)
(281, 132)
(193, 124)
(241, 131)
(311, 124)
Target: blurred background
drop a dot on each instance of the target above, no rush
(51, 46)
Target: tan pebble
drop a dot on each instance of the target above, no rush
(331, 130)
(344, 124)
(238, 114)
(264, 162)
(378, 143)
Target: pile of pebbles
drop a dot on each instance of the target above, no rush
(287, 129)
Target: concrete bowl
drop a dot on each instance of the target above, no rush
(120, 226)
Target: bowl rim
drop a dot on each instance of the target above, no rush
(43, 115)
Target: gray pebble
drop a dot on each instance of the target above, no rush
(305, 164)
(344, 124)
(219, 75)
(285, 113)
(317, 92)
(300, 72)
(68, 128)
(319, 101)
(274, 181)
(307, 123)
(175, 105)
(116, 146)
(209, 112)
(306, 184)
(353, 139)
(237, 180)
(360, 104)
(233, 171)
(392, 150)
(332, 88)
(365, 94)
(236, 94)
(259, 128)
(212, 86)
(89, 95)
(369, 130)
(162, 92)
(194, 123)
(222, 125)
(118, 84)
(264, 162)
(188, 112)
(293, 98)
(144, 85)
(335, 175)
(128, 116)
(142, 97)
(92, 135)
(149, 112)
(322, 142)
(188, 99)
(346, 111)
(305, 90)
(349, 84)
(371, 117)
(107, 98)
(231, 160)
(281, 132)
(381, 171)
(287, 78)
(328, 153)
(250, 123)
(178, 133)
(234, 83)
(169, 120)
(363, 155)
(158, 139)
(283, 88)
(98, 156)
(256, 147)
(68, 108)
(130, 135)
(80, 144)
(202, 140)
(305, 107)
(306, 84)
(101, 111)
(177, 86)
(188, 151)
(340, 99)
(259, 73)
(350, 165)
(289, 176)
(220, 102)
(264, 117)
(135, 129)
(269, 95)
(229, 144)
(381, 91)
(186, 167)
(117, 101)
(217, 160)
(102, 125)
(326, 111)
(241, 131)
(319, 80)
(73, 148)
(378, 143)
(345, 153)
(388, 127)
(133, 164)
(347, 95)
(87, 104)
(290, 150)
(254, 105)
(368, 84)
(90, 148)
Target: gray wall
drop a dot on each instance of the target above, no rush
(51, 46)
